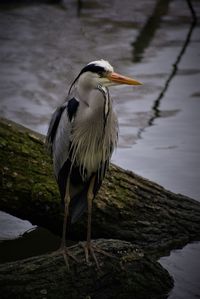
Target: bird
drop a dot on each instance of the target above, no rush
(82, 135)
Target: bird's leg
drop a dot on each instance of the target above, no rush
(88, 247)
(63, 249)
(90, 197)
(66, 212)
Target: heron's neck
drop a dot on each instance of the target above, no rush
(86, 83)
(87, 95)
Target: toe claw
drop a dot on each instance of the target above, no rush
(90, 249)
(64, 251)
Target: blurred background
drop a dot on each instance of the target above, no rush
(43, 46)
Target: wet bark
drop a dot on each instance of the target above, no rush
(128, 207)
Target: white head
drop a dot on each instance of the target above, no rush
(102, 64)
(101, 72)
(95, 73)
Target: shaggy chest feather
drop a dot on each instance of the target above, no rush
(91, 146)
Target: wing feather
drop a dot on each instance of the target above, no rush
(55, 119)
(59, 133)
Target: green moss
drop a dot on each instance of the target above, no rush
(26, 175)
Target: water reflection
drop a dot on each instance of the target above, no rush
(12, 227)
(79, 7)
(16, 3)
(185, 264)
(153, 23)
(147, 33)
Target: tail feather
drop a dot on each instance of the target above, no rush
(78, 189)
(78, 205)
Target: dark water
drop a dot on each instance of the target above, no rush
(43, 47)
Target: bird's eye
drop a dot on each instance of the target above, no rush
(102, 74)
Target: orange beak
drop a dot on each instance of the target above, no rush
(117, 78)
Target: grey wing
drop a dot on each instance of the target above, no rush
(61, 143)
(59, 133)
(55, 119)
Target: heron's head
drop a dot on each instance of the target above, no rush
(100, 72)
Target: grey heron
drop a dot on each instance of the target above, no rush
(82, 135)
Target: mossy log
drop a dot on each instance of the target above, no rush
(130, 275)
(128, 208)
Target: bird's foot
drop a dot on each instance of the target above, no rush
(63, 250)
(90, 249)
